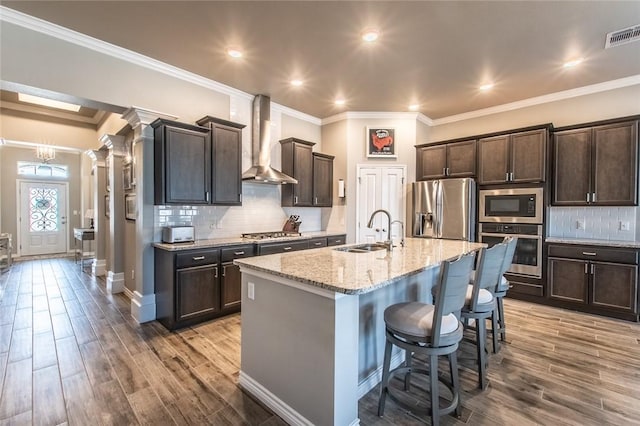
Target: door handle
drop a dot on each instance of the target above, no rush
(593, 197)
(295, 199)
(586, 265)
(215, 274)
(588, 197)
(592, 268)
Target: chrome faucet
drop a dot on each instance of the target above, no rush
(388, 244)
(401, 230)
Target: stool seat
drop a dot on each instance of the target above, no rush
(484, 296)
(415, 319)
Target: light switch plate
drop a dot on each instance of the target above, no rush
(580, 224)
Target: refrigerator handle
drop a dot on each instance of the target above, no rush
(439, 211)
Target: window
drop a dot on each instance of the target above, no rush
(42, 170)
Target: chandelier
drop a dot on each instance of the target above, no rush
(45, 153)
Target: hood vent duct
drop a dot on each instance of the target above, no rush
(261, 170)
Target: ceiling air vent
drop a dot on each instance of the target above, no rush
(617, 38)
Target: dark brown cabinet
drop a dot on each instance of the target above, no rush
(322, 180)
(230, 279)
(336, 240)
(196, 292)
(603, 280)
(182, 170)
(284, 247)
(596, 165)
(513, 158)
(297, 162)
(226, 160)
(455, 159)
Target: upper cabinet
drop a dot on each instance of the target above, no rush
(454, 159)
(322, 180)
(297, 162)
(513, 158)
(226, 151)
(182, 170)
(198, 164)
(596, 165)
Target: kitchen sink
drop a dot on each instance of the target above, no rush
(363, 248)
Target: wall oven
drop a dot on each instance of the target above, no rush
(512, 205)
(527, 259)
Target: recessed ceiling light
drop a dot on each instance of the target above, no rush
(370, 35)
(486, 87)
(340, 102)
(573, 63)
(48, 102)
(234, 52)
(414, 107)
(296, 82)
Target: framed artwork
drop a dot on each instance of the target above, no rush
(381, 142)
(127, 176)
(107, 212)
(130, 211)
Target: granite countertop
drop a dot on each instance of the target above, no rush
(356, 273)
(592, 242)
(222, 242)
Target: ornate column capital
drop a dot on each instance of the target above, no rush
(115, 144)
(137, 116)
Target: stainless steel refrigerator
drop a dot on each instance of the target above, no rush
(445, 209)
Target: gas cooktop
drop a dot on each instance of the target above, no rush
(267, 235)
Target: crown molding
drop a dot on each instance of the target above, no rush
(539, 100)
(296, 114)
(14, 106)
(31, 145)
(424, 119)
(374, 115)
(136, 116)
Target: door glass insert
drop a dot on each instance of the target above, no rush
(43, 209)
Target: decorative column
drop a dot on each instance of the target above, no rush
(115, 206)
(143, 302)
(100, 223)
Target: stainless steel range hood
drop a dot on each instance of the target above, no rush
(261, 170)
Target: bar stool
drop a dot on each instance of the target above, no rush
(480, 303)
(498, 324)
(432, 330)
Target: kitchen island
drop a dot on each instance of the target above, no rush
(312, 323)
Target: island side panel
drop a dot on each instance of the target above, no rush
(300, 347)
(372, 336)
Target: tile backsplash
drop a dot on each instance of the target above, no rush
(260, 212)
(602, 223)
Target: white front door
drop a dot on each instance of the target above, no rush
(43, 218)
(380, 187)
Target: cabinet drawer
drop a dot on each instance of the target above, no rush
(594, 253)
(272, 248)
(237, 252)
(336, 240)
(317, 242)
(197, 258)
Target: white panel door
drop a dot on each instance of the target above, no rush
(379, 187)
(43, 218)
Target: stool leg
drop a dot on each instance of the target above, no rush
(385, 377)
(407, 376)
(495, 330)
(501, 321)
(481, 336)
(455, 381)
(433, 379)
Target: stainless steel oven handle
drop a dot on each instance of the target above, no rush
(537, 237)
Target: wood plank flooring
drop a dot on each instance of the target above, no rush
(71, 354)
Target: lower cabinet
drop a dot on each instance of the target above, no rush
(595, 279)
(196, 292)
(230, 279)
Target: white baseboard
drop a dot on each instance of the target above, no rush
(278, 406)
(376, 376)
(115, 282)
(128, 293)
(143, 307)
(99, 267)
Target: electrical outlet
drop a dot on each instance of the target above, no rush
(251, 291)
(212, 226)
(133, 274)
(624, 225)
(580, 224)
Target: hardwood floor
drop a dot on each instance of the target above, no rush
(70, 353)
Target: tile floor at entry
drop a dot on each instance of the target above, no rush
(71, 353)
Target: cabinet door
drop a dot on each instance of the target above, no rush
(568, 280)
(461, 159)
(528, 156)
(303, 172)
(493, 156)
(231, 286)
(614, 286)
(185, 166)
(571, 167)
(431, 162)
(227, 164)
(196, 292)
(322, 181)
(615, 165)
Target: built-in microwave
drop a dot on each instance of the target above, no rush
(511, 205)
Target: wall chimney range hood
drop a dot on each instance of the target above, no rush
(261, 170)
